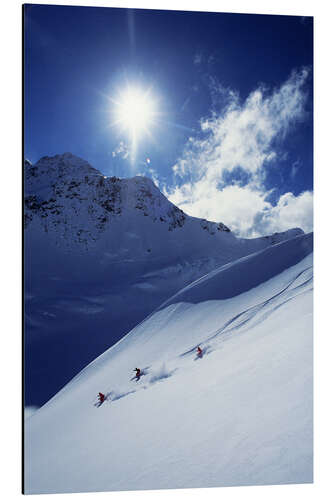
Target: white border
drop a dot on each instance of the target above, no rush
(10, 210)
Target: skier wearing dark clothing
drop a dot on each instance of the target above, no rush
(138, 373)
(199, 351)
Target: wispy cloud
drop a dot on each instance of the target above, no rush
(122, 150)
(290, 211)
(149, 171)
(201, 58)
(198, 58)
(241, 138)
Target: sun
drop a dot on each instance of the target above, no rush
(135, 111)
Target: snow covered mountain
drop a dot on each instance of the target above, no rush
(101, 253)
(76, 205)
(239, 415)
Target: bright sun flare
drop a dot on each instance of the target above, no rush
(135, 111)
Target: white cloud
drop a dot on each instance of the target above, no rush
(290, 211)
(242, 135)
(245, 209)
(121, 150)
(154, 176)
(149, 172)
(236, 206)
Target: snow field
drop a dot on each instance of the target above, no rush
(241, 415)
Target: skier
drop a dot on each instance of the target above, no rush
(101, 398)
(199, 351)
(137, 374)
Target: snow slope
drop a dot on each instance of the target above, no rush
(240, 415)
(101, 253)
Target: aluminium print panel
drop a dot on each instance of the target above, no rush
(168, 192)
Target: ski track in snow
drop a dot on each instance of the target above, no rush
(72, 214)
(248, 318)
(239, 415)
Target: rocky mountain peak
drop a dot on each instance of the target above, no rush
(65, 193)
(77, 204)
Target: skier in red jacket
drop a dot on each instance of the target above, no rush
(138, 373)
(101, 397)
(199, 351)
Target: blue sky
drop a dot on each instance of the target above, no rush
(232, 140)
